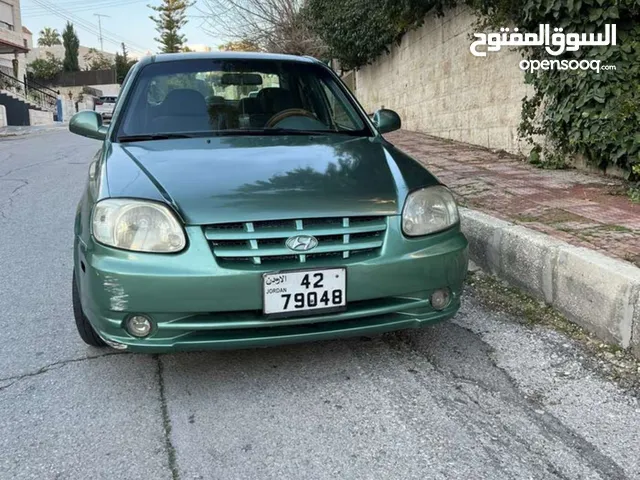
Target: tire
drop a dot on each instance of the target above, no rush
(86, 331)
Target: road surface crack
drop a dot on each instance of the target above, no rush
(506, 387)
(52, 366)
(24, 184)
(166, 422)
(9, 201)
(24, 167)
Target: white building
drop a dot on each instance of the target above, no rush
(58, 52)
(14, 42)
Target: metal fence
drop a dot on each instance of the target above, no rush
(37, 95)
(81, 79)
(92, 77)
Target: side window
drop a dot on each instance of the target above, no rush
(160, 86)
(270, 80)
(338, 111)
(237, 92)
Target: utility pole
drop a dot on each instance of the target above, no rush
(99, 15)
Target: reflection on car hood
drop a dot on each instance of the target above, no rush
(231, 179)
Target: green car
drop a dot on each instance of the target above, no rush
(217, 218)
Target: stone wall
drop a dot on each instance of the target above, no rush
(112, 89)
(37, 117)
(438, 87)
(71, 93)
(3, 116)
(68, 109)
(88, 104)
(77, 93)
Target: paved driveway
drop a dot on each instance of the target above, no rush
(480, 397)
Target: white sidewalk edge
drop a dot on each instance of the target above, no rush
(599, 293)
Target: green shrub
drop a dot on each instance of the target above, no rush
(47, 68)
(585, 113)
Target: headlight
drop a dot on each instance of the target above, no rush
(429, 210)
(137, 225)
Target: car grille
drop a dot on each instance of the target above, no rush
(263, 242)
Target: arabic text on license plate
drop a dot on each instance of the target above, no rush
(304, 290)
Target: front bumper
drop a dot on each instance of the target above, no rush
(197, 304)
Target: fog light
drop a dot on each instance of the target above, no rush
(440, 299)
(139, 326)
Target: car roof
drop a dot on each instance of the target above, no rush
(171, 57)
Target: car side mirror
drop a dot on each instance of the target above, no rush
(387, 120)
(88, 124)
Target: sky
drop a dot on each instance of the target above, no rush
(128, 20)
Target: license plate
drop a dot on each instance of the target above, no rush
(301, 291)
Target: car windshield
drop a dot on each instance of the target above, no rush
(237, 97)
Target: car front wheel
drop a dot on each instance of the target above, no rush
(86, 331)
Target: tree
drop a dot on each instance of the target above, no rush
(125, 53)
(359, 31)
(277, 26)
(123, 64)
(45, 69)
(71, 48)
(98, 60)
(48, 37)
(240, 46)
(171, 17)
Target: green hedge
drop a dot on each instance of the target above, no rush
(578, 112)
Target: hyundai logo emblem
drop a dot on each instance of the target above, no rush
(301, 243)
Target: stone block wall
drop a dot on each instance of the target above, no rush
(68, 109)
(37, 117)
(438, 87)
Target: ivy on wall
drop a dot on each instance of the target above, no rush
(359, 31)
(577, 112)
(583, 112)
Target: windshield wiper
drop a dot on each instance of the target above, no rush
(152, 136)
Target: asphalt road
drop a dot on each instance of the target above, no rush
(479, 397)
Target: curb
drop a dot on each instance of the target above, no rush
(597, 292)
(24, 131)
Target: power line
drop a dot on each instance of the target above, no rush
(37, 11)
(88, 26)
(72, 3)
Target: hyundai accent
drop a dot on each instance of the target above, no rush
(245, 199)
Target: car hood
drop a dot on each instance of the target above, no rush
(244, 178)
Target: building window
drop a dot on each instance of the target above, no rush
(6, 16)
(26, 44)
